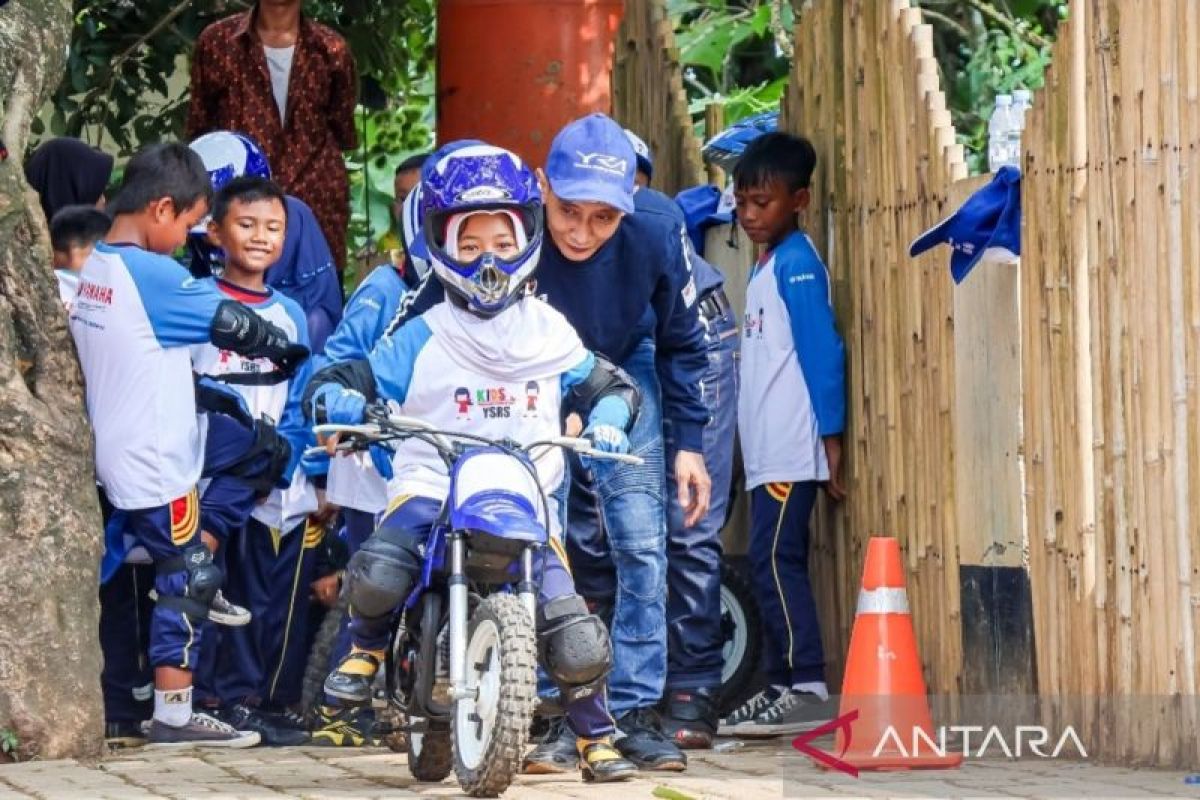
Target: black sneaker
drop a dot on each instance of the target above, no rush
(343, 727)
(286, 718)
(201, 730)
(644, 743)
(792, 712)
(748, 710)
(124, 733)
(223, 612)
(220, 610)
(273, 734)
(690, 718)
(556, 753)
(600, 762)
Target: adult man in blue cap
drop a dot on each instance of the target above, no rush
(624, 282)
(694, 636)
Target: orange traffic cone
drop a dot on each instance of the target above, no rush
(883, 681)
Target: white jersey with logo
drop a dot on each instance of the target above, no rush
(502, 377)
(278, 401)
(792, 390)
(133, 316)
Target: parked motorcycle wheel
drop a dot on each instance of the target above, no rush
(741, 627)
(430, 752)
(490, 724)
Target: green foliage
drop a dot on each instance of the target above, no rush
(9, 743)
(731, 54)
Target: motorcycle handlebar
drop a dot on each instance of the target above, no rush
(395, 426)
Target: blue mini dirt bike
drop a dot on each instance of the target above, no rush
(462, 663)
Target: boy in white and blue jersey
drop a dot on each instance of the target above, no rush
(791, 414)
(261, 521)
(134, 315)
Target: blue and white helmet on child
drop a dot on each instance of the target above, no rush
(470, 180)
(228, 155)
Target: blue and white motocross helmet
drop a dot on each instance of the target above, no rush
(726, 148)
(227, 155)
(472, 179)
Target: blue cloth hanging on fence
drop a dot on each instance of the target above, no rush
(986, 226)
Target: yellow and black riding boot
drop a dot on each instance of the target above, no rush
(600, 761)
(350, 683)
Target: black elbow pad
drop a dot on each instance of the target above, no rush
(605, 379)
(237, 328)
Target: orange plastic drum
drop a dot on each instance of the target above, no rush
(513, 72)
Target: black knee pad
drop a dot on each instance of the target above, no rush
(573, 646)
(379, 576)
(204, 580)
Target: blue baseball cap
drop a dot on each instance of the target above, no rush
(987, 225)
(591, 160)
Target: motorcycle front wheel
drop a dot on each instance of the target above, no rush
(490, 724)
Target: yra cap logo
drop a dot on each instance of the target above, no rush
(602, 161)
(592, 161)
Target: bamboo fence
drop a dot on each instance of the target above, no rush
(1081, 461)
(865, 91)
(1110, 302)
(648, 94)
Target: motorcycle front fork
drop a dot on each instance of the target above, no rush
(460, 610)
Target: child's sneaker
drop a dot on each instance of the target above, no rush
(749, 710)
(201, 730)
(223, 612)
(220, 611)
(792, 712)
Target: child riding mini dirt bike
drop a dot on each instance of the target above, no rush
(462, 660)
(494, 366)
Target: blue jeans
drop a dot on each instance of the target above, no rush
(694, 639)
(632, 516)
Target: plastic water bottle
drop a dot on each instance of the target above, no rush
(999, 137)
(1022, 100)
(1021, 103)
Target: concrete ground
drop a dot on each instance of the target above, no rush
(755, 770)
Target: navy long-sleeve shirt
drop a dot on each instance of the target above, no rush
(639, 284)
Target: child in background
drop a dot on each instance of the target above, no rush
(74, 231)
(791, 413)
(135, 313)
(269, 547)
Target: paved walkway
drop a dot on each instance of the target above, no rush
(771, 770)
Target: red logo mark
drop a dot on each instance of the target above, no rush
(803, 743)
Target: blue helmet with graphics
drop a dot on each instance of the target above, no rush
(459, 183)
(228, 155)
(726, 148)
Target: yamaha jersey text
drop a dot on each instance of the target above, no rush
(133, 316)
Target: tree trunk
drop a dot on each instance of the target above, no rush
(50, 529)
